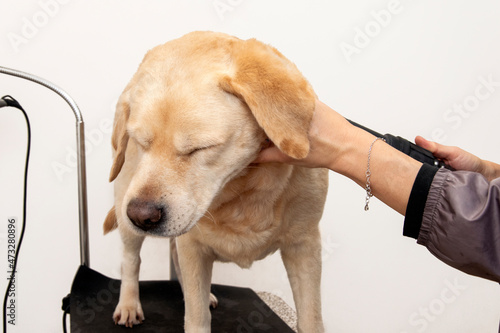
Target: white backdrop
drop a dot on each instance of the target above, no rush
(398, 66)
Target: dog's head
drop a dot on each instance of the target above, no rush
(193, 117)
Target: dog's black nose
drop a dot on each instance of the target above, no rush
(146, 215)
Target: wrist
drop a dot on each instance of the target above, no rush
(352, 153)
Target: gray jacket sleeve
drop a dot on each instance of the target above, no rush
(456, 216)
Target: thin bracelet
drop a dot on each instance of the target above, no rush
(368, 188)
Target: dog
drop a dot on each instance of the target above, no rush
(187, 129)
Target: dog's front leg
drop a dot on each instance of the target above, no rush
(303, 265)
(196, 269)
(129, 312)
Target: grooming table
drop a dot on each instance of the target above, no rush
(94, 296)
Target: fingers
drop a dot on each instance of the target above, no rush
(271, 154)
(426, 144)
(454, 157)
(438, 150)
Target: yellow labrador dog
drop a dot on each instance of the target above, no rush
(187, 128)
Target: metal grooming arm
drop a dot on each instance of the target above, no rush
(80, 152)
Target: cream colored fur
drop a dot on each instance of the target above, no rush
(187, 128)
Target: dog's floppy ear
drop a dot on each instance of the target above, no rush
(119, 138)
(110, 223)
(280, 98)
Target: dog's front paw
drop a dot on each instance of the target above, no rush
(128, 314)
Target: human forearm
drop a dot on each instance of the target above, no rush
(392, 172)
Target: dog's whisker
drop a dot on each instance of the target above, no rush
(237, 193)
(199, 229)
(210, 216)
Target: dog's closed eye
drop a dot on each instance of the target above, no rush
(199, 149)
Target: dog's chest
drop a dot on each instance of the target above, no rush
(243, 234)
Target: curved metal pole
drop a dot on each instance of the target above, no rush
(80, 152)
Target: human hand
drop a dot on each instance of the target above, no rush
(460, 159)
(325, 135)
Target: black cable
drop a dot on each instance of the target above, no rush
(406, 147)
(64, 320)
(10, 101)
(66, 305)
